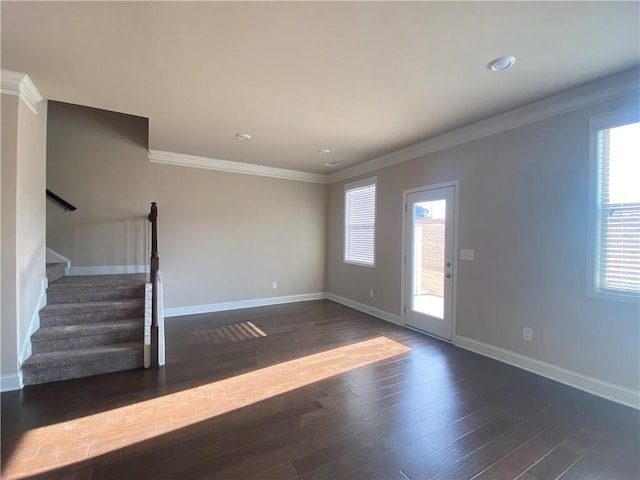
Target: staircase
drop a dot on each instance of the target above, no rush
(91, 325)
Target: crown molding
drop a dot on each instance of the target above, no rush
(583, 96)
(564, 102)
(19, 84)
(170, 158)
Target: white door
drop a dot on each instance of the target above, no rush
(429, 260)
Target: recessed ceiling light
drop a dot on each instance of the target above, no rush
(243, 136)
(501, 63)
(324, 152)
(332, 163)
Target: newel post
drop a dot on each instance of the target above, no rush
(154, 267)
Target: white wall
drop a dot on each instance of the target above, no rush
(31, 217)
(23, 228)
(523, 209)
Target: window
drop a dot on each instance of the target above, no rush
(360, 222)
(615, 232)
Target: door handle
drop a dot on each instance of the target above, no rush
(447, 275)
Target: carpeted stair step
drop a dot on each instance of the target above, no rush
(91, 312)
(139, 278)
(91, 325)
(84, 362)
(66, 337)
(55, 271)
(61, 292)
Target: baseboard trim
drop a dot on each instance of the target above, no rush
(108, 270)
(610, 391)
(10, 382)
(376, 312)
(256, 302)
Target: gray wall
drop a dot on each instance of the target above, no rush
(222, 236)
(523, 209)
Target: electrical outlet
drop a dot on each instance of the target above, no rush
(527, 334)
(274, 285)
(371, 293)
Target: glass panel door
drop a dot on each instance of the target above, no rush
(429, 270)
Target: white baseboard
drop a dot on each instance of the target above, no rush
(257, 302)
(376, 312)
(610, 391)
(10, 382)
(108, 269)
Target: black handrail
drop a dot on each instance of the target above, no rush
(60, 201)
(155, 266)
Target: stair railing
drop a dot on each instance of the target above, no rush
(154, 268)
(60, 201)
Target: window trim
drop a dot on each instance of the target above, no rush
(350, 186)
(596, 123)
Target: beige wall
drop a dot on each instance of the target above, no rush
(523, 209)
(222, 236)
(8, 307)
(23, 223)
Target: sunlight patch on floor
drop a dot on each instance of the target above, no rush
(66, 443)
(235, 332)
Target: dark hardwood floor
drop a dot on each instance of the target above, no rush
(314, 390)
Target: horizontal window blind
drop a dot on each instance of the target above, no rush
(360, 223)
(620, 248)
(618, 243)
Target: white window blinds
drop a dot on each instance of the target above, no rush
(360, 222)
(618, 215)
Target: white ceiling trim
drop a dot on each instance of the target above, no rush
(170, 158)
(558, 104)
(19, 84)
(589, 94)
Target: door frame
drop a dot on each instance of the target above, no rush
(404, 257)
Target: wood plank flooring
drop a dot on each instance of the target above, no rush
(314, 390)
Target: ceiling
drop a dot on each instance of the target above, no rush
(359, 78)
